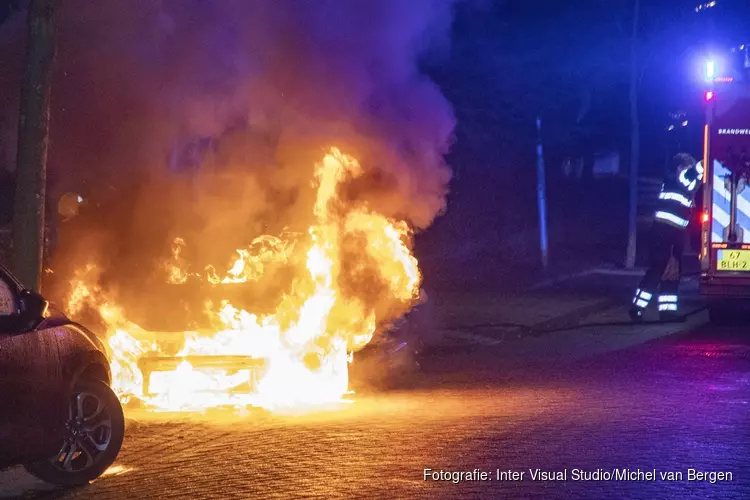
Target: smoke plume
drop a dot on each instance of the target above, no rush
(204, 119)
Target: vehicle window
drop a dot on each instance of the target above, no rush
(7, 299)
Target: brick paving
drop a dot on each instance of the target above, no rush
(679, 403)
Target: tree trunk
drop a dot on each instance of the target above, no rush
(635, 142)
(33, 132)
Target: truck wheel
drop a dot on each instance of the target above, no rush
(722, 314)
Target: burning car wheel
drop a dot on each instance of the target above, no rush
(93, 436)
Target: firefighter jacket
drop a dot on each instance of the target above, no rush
(676, 199)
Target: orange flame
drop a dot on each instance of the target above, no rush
(177, 267)
(359, 273)
(250, 262)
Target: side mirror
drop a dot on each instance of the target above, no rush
(33, 307)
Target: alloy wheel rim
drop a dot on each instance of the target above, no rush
(87, 435)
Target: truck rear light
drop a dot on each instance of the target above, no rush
(705, 217)
(710, 95)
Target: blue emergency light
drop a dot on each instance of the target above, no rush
(710, 70)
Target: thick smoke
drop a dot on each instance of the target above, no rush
(204, 119)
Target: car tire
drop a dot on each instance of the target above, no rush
(96, 445)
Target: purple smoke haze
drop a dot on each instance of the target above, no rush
(267, 85)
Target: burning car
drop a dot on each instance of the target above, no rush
(279, 328)
(58, 417)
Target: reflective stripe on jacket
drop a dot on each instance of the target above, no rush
(675, 204)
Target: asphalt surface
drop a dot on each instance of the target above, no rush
(674, 404)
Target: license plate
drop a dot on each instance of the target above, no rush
(733, 260)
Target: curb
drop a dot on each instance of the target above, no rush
(576, 315)
(607, 270)
(561, 278)
(600, 270)
(467, 336)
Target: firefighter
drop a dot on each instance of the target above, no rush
(667, 240)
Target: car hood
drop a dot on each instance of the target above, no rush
(56, 317)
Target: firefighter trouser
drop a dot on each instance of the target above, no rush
(662, 279)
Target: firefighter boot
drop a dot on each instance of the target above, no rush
(640, 303)
(668, 299)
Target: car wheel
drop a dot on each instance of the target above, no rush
(93, 436)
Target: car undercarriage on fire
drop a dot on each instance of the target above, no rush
(280, 328)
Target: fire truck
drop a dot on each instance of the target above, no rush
(725, 218)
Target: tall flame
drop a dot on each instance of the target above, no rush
(330, 311)
(249, 264)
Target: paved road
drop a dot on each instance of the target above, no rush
(680, 402)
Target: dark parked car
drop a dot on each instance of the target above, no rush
(393, 355)
(58, 415)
